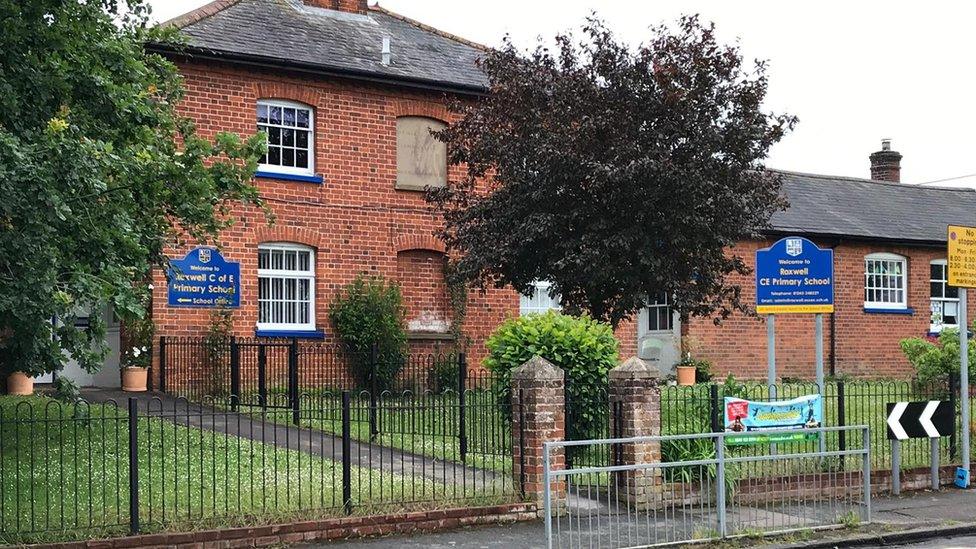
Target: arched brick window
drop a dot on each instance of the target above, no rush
(290, 130)
(421, 276)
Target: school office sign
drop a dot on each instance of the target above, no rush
(204, 279)
(794, 276)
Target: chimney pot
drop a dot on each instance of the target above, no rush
(886, 163)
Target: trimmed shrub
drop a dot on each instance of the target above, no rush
(370, 311)
(936, 359)
(583, 348)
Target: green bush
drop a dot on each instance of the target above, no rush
(444, 374)
(370, 311)
(935, 359)
(583, 348)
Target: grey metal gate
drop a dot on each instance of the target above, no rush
(695, 488)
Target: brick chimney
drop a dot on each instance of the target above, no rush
(886, 163)
(351, 6)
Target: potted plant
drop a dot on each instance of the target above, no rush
(137, 358)
(686, 370)
(20, 384)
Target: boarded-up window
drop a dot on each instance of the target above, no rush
(421, 159)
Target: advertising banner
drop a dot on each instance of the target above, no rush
(751, 418)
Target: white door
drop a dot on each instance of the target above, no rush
(659, 334)
(108, 376)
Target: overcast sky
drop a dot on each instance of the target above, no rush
(852, 71)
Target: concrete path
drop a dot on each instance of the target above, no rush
(311, 441)
(891, 514)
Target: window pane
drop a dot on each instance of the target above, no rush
(288, 138)
(275, 115)
(952, 292)
(274, 156)
(274, 136)
(301, 139)
(288, 157)
(301, 159)
(263, 259)
(935, 271)
(263, 114)
(289, 116)
(303, 116)
(303, 258)
(935, 289)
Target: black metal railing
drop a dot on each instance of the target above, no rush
(71, 471)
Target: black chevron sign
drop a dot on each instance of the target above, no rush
(927, 419)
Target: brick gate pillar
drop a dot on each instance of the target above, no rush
(538, 415)
(635, 407)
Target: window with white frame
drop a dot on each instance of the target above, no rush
(539, 300)
(944, 299)
(289, 127)
(286, 287)
(885, 281)
(659, 314)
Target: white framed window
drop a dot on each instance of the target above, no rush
(291, 140)
(885, 281)
(660, 317)
(943, 298)
(539, 301)
(286, 287)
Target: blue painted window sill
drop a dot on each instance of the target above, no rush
(289, 177)
(299, 334)
(880, 311)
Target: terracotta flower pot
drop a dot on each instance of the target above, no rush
(134, 380)
(686, 375)
(20, 384)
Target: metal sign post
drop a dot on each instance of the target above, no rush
(905, 420)
(962, 274)
(771, 355)
(818, 358)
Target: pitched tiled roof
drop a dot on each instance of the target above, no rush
(291, 34)
(862, 208)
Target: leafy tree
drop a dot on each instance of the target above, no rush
(614, 173)
(98, 174)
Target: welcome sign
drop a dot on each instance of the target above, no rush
(751, 418)
(204, 279)
(794, 276)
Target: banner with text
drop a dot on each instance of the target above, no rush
(751, 418)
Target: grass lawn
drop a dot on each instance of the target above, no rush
(424, 424)
(64, 475)
(685, 410)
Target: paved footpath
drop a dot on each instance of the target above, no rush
(949, 507)
(312, 441)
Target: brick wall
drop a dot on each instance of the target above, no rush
(358, 222)
(866, 343)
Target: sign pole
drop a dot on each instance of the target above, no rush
(964, 375)
(771, 354)
(819, 356)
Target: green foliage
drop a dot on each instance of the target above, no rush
(936, 360)
(139, 339)
(582, 173)
(66, 390)
(370, 311)
(99, 174)
(444, 374)
(217, 345)
(583, 348)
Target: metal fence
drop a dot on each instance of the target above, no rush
(698, 408)
(660, 503)
(70, 471)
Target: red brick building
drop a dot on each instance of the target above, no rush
(347, 94)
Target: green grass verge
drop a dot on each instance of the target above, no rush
(64, 475)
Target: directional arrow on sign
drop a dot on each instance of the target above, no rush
(932, 419)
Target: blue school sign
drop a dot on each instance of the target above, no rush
(204, 279)
(794, 276)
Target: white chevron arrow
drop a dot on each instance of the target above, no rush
(925, 419)
(894, 420)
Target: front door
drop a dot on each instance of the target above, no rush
(659, 334)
